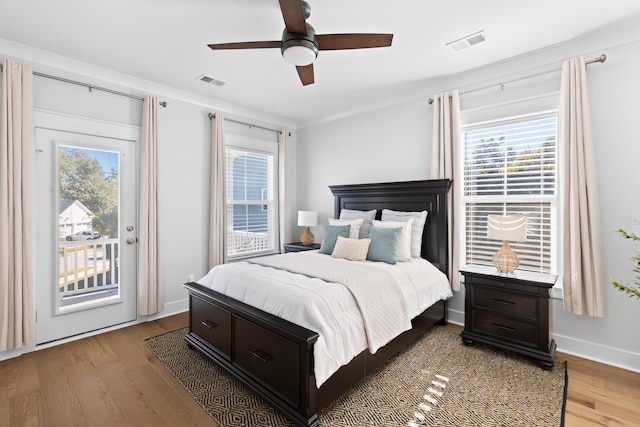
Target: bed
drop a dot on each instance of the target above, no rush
(275, 357)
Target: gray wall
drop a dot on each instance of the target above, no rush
(393, 144)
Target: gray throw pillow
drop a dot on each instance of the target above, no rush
(385, 243)
(330, 236)
(367, 216)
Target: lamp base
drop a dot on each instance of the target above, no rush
(307, 237)
(505, 260)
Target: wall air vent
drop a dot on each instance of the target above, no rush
(211, 80)
(467, 41)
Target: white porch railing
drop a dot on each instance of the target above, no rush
(87, 266)
(243, 242)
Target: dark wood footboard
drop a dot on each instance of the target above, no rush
(272, 356)
(275, 357)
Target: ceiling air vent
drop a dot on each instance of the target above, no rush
(467, 41)
(208, 79)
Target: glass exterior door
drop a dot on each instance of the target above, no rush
(86, 269)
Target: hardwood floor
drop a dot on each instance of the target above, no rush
(598, 394)
(113, 379)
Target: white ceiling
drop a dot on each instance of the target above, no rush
(165, 41)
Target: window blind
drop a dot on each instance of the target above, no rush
(510, 169)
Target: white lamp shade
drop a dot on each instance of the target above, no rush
(508, 228)
(307, 218)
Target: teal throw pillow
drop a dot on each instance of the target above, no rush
(385, 243)
(330, 236)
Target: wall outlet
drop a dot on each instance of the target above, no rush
(190, 278)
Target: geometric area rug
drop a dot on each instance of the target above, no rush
(436, 381)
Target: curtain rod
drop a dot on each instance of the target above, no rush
(90, 87)
(251, 125)
(601, 58)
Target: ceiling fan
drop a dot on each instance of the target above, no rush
(300, 43)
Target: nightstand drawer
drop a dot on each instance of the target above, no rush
(500, 283)
(506, 302)
(493, 324)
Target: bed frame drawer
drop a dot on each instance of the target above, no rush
(212, 324)
(268, 356)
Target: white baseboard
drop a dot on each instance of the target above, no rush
(598, 353)
(456, 317)
(15, 352)
(174, 307)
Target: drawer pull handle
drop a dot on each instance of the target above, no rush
(209, 324)
(265, 357)
(502, 301)
(506, 328)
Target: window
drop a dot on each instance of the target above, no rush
(510, 169)
(252, 221)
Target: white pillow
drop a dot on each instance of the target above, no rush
(404, 250)
(354, 231)
(367, 216)
(419, 219)
(351, 249)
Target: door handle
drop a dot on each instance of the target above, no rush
(131, 240)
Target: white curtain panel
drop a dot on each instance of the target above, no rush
(218, 208)
(150, 286)
(582, 271)
(445, 158)
(17, 213)
(284, 196)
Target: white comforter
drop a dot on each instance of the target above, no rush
(326, 308)
(376, 291)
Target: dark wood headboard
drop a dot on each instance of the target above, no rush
(405, 196)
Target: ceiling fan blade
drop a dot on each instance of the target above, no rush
(247, 45)
(306, 74)
(293, 15)
(352, 41)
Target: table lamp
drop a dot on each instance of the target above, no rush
(307, 219)
(508, 228)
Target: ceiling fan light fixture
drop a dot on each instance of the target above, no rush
(299, 52)
(299, 44)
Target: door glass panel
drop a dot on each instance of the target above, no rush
(88, 224)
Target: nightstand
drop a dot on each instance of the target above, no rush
(510, 311)
(299, 247)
